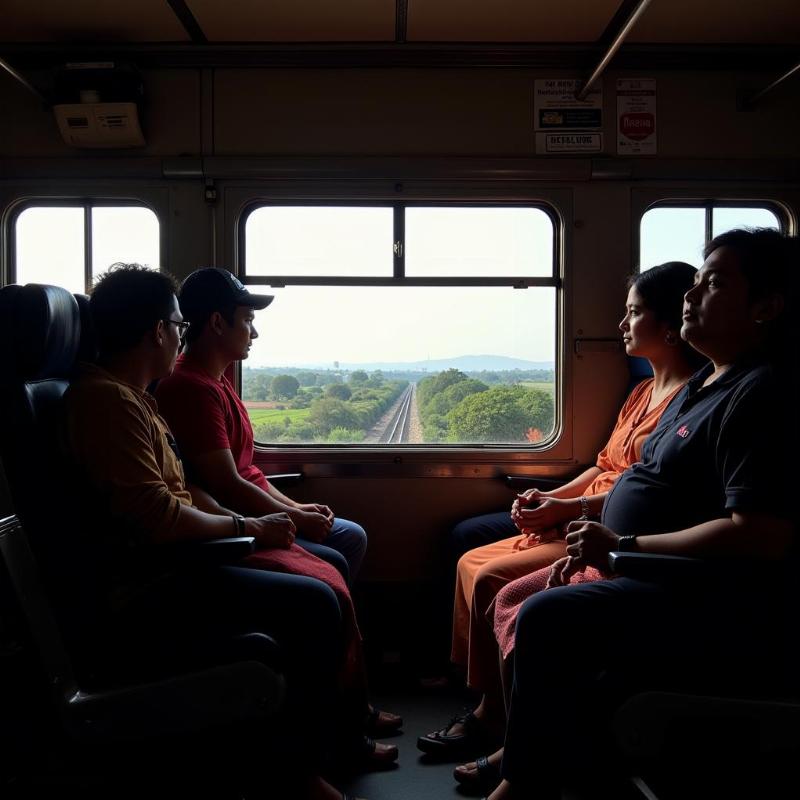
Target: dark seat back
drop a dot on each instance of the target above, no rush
(639, 369)
(39, 343)
(56, 567)
(38, 349)
(87, 344)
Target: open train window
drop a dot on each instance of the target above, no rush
(673, 231)
(69, 243)
(447, 310)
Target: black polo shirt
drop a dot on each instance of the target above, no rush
(717, 449)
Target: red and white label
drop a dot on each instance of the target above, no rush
(636, 116)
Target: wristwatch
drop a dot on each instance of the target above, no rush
(584, 508)
(626, 544)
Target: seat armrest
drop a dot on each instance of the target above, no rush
(213, 551)
(658, 724)
(521, 482)
(656, 567)
(232, 693)
(285, 478)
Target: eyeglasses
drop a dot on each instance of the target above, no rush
(181, 326)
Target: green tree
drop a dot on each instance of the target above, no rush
(339, 391)
(284, 386)
(428, 387)
(541, 408)
(496, 415)
(306, 378)
(255, 385)
(444, 401)
(358, 377)
(328, 413)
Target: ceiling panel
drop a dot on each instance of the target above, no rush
(719, 22)
(509, 20)
(89, 21)
(296, 20)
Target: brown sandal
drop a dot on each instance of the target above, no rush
(382, 723)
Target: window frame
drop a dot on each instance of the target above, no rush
(399, 277)
(786, 223)
(87, 204)
(554, 446)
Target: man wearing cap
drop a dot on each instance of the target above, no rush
(212, 427)
(152, 617)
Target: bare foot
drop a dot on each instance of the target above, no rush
(469, 773)
(380, 723)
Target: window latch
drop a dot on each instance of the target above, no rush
(398, 249)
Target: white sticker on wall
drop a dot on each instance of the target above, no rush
(564, 124)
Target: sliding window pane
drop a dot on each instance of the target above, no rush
(478, 242)
(330, 241)
(50, 246)
(725, 219)
(124, 233)
(672, 234)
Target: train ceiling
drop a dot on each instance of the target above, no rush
(395, 32)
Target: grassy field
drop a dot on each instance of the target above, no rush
(261, 415)
(545, 387)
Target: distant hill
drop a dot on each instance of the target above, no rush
(464, 363)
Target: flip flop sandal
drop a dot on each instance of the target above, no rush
(460, 745)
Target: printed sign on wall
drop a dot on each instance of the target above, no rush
(564, 124)
(636, 117)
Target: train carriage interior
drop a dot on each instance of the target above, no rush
(446, 200)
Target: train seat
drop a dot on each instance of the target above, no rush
(44, 555)
(678, 744)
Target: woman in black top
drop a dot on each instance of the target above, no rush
(715, 481)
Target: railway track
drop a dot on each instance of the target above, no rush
(396, 431)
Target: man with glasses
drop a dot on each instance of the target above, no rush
(126, 459)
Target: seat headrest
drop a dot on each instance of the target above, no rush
(41, 330)
(87, 349)
(639, 368)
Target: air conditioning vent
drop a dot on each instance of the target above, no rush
(99, 124)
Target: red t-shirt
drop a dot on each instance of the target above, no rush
(206, 414)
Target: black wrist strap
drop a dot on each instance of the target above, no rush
(626, 544)
(238, 521)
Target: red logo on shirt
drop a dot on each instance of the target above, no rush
(683, 431)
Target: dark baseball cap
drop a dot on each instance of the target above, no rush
(212, 289)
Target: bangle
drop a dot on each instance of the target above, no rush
(584, 508)
(238, 522)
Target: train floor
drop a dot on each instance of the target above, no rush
(416, 777)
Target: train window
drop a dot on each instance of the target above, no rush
(478, 242)
(679, 232)
(321, 240)
(726, 218)
(124, 233)
(37, 260)
(440, 347)
(89, 236)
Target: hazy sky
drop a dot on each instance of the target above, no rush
(366, 324)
